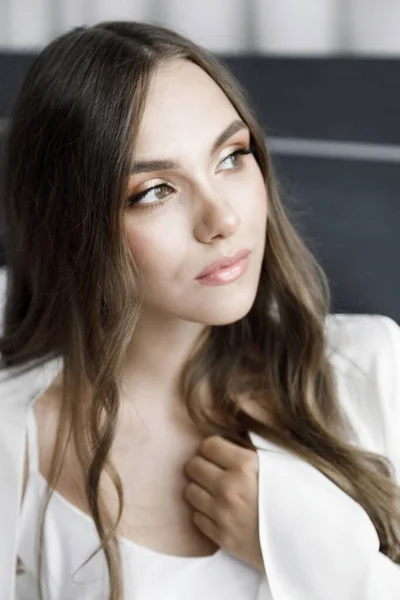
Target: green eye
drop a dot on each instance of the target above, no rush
(233, 159)
(153, 195)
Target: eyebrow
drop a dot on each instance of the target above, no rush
(147, 166)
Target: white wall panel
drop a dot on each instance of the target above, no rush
(220, 25)
(297, 26)
(118, 10)
(70, 13)
(306, 27)
(374, 26)
(4, 38)
(30, 23)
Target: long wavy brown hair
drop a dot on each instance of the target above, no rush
(72, 283)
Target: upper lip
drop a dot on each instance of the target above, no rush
(225, 261)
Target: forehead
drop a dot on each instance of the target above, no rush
(184, 105)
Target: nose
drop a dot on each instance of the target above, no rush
(216, 218)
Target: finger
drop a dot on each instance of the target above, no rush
(207, 526)
(226, 454)
(199, 499)
(205, 473)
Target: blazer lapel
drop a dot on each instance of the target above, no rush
(316, 541)
(17, 390)
(264, 592)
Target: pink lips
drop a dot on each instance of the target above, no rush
(224, 270)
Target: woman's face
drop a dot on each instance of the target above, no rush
(194, 198)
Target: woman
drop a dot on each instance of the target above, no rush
(163, 321)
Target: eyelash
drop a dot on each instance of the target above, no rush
(135, 199)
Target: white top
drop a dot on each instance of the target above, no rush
(317, 543)
(71, 537)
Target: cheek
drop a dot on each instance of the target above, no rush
(261, 196)
(157, 255)
(255, 207)
(140, 247)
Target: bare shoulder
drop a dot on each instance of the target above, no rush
(47, 411)
(47, 405)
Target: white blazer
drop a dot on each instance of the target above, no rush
(317, 543)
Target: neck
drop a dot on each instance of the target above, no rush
(157, 353)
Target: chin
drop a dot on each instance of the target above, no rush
(233, 309)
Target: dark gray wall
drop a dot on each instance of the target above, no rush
(347, 201)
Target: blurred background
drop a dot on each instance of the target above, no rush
(324, 78)
(240, 26)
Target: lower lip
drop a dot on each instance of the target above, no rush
(227, 274)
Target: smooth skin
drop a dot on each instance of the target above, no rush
(202, 203)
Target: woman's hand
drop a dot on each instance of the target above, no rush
(223, 492)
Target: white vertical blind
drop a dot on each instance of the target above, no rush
(118, 10)
(297, 26)
(29, 23)
(70, 13)
(4, 20)
(374, 26)
(220, 25)
(227, 26)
